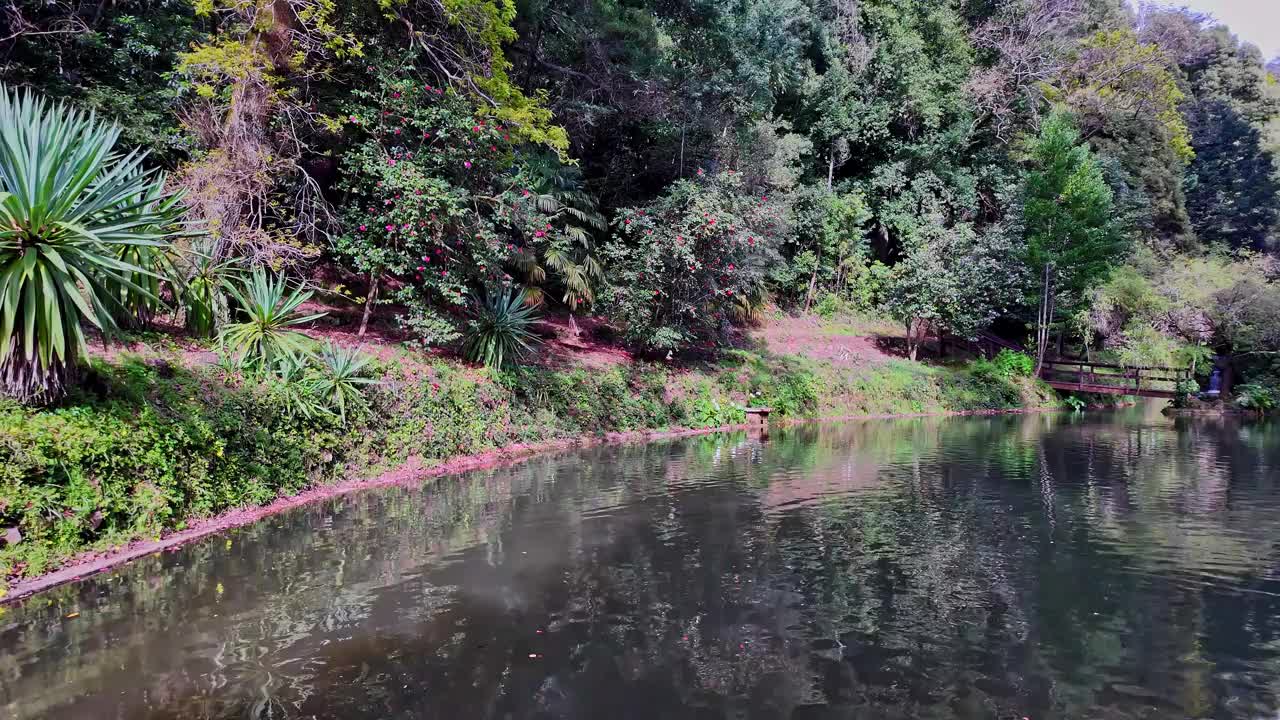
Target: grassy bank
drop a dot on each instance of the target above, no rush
(147, 446)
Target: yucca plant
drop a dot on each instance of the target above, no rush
(202, 292)
(269, 335)
(500, 330)
(342, 378)
(294, 383)
(70, 208)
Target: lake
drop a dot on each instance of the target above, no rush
(1109, 565)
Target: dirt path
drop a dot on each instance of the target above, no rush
(840, 343)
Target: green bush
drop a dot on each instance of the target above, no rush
(1261, 398)
(158, 451)
(1012, 363)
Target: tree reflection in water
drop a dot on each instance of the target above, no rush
(1047, 566)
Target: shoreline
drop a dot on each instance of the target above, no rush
(94, 562)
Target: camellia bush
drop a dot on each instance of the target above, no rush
(682, 268)
(441, 202)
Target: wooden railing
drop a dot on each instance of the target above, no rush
(1102, 378)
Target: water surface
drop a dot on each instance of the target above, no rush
(1100, 566)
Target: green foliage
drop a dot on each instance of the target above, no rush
(1067, 208)
(827, 251)
(112, 58)
(500, 332)
(679, 264)
(342, 379)
(202, 292)
(153, 452)
(1260, 398)
(441, 200)
(268, 335)
(74, 212)
(952, 279)
(1075, 403)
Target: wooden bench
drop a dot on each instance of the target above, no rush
(758, 416)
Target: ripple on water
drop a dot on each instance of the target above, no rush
(1106, 566)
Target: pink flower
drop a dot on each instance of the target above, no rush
(392, 163)
(391, 228)
(539, 234)
(363, 228)
(353, 118)
(466, 164)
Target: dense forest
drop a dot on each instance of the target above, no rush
(1079, 175)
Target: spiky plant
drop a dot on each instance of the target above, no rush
(269, 333)
(342, 378)
(500, 330)
(202, 293)
(71, 208)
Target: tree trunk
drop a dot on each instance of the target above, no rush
(913, 343)
(831, 166)
(1043, 319)
(681, 151)
(813, 283)
(369, 303)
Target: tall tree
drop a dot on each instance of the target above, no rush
(1071, 237)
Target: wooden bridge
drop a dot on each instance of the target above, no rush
(1081, 375)
(1104, 379)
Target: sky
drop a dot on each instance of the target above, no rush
(1255, 21)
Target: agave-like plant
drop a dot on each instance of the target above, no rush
(269, 333)
(499, 332)
(202, 291)
(342, 378)
(70, 208)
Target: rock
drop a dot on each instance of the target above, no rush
(12, 536)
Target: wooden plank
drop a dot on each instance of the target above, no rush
(1087, 364)
(1110, 389)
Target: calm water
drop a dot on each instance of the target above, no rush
(1106, 566)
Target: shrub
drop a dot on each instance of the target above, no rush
(500, 331)
(1260, 398)
(679, 265)
(342, 378)
(830, 306)
(1011, 364)
(442, 199)
(74, 212)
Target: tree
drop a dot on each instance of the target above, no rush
(952, 279)
(1071, 237)
(70, 202)
(1125, 96)
(1233, 195)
